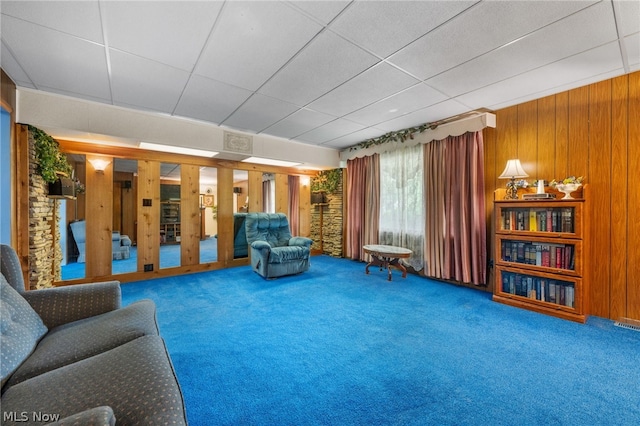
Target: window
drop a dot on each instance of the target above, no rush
(402, 201)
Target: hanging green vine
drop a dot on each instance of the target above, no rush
(327, 181)
(396, 136)
(50, 160)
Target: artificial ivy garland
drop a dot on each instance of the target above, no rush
(397, 136)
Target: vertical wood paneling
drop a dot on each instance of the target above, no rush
(591, 131)
(305, 207)
(599, 203)
(22, 198)
(255, 191)
(282, 193)
(528, 138)
(546, 138)
(189, 214)
(619, 194)
(117, 206)
(99, 222)
(633, 256)
(507, 141)
(225, 215)
(578, 146)
(562, 135)
(148, 216)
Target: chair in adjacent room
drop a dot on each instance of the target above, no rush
(274, 252)
(120, 243)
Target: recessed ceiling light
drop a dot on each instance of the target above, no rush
(270, 162)
(393, 110)
(177, 149)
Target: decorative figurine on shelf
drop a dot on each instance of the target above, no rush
(567, 185)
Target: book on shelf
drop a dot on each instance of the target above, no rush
(556, 255)
(543, 289)
(538, 219)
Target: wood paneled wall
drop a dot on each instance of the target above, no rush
(99, 222)
(592, 131)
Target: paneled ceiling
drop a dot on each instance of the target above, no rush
(329, 73)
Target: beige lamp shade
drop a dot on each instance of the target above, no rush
(513, 170)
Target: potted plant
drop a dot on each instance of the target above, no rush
(53, 165)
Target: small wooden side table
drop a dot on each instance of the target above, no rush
(387, 256)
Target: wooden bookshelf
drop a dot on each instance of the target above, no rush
(170, 230)
(540, 255)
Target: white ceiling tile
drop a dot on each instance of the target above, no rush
(355, 138)
(632, 44)
(590, 27)
(299, 122)
(329, 131)
(81, 19)
(210, 100)
(324, 57)
(382, 27)
(72, 64)
(412, 99)
(378, 82)
(548, 79)
(258, 113)
(323, 11)
(478, 30)
(144, 83)
(252, 41)
(629, 15)
(325, 63)
(12, 68)
(170, 32)
(446, 109)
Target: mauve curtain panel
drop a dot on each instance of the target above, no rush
(363, 198)
(455, 222)
(294, 204)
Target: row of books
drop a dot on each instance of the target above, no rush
(559, 219)
(539, 288)
(561, 256)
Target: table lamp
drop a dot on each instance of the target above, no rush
(512, 171)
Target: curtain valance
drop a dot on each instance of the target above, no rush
(459, 127)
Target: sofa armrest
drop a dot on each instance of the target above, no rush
(99, 416)
(300, 241)
(61, 305)
(261, 245)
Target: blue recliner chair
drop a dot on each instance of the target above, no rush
(274, 252)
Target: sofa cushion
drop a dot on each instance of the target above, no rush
(288, 253)
(99, 416)
(82, 339)
(136, 380)
(20, 329)
(10, 267)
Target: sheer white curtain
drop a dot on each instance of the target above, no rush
(402, 212)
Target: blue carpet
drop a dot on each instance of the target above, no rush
(169, 257)
(334, 346)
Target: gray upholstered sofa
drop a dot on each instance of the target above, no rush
(274, 252)
(73, 355)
